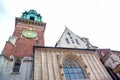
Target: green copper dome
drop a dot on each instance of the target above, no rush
(32, 15)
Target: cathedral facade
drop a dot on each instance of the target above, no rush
(25, 57)
(51, 63)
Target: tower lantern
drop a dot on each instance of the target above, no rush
(32, 15)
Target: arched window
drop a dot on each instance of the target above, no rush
(72, 70)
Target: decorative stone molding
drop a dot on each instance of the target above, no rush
(27, 59)
(76, 58)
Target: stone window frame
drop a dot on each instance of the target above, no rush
(17, 65)
(76, 58)
(72, 70)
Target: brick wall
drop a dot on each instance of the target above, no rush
(23, 46)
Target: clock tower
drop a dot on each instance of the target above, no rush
(17, 55)
(29, 31)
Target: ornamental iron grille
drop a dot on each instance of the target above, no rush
(72, 70)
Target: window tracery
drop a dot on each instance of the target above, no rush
(72, 70)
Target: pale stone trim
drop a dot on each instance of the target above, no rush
(103, 72)
(103, 68)
(27, 59)
(76, 58)
(58, 55)
(53, 66)
(88, 69)
(92, 73)
(50, 66)
(99, 73)
(94, 67)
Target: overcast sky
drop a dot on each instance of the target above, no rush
(98, 20)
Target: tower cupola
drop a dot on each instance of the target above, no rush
(32, 15)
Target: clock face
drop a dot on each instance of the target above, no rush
(29, 34)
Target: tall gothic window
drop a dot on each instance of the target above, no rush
(67, 40)
(17, 66)
(72, 70)
(77, 42)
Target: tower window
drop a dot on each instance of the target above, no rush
(67, 40)
(70, 37)
(69, 34)
(72, 70)
(31, 18)
(77, 42)
(17, 66)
